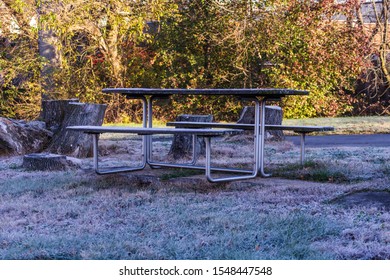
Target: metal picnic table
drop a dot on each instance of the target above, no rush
(258, 95)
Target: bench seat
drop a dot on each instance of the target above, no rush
(151, 131)
(297, 129)
(302, 130)
(207, 133)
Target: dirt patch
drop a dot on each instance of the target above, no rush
(366, 198)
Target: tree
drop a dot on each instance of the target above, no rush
(373, 17)
(102, 43)
(276, 43)
(181, 43)
(310, 50)
(20, 63)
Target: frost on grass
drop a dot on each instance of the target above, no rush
(153, 214)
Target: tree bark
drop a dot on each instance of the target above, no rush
(47, 49)
(182, 144)
(77, 144)
(53, 112)
(273, 115)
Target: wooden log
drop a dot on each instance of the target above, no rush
(182, 144)
(273, 115)
(74, 143)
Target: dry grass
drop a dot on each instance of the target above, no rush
(176, 214)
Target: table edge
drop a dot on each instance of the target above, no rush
(276, 92)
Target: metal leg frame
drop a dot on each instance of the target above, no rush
(192, 165)
(261, 133)
(303, 136)
(230, 178)
(149, 123)
(149, 154)
(95, 140)
(158, 164)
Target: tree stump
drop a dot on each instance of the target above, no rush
(20, 137)
(44, 162)
(273, 115)
(182, 144)
(53, 112)
(74, 143)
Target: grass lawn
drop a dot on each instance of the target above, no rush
(177, 214)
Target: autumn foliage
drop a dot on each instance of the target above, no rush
(191, 44)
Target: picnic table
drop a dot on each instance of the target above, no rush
(147, 95)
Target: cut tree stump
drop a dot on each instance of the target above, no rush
(273, 115)
(182, 144)
(19, 137)
(74, 143)
(44, 162)
(53, 112)
(50, 133)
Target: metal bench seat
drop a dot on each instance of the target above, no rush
(207, 133)
(151, 131)
(298, 129)
(302, 130)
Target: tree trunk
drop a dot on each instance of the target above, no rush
(182, 144)
(76, 143)
(47, 49)
(273, 115)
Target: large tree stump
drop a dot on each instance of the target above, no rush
(53, 112)
(182, 144)
(74, 143)
(273, 115)
(20, 137)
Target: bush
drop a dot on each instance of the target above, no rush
(190, 44)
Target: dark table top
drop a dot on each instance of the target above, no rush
(246, 92)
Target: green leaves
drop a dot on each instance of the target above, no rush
(200, 43)
(315, 53)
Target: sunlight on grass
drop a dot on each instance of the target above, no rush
(342, 125)
(156, 123)
(348, 125)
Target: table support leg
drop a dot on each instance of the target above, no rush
(95, 140)
(194, 150)
(261, 106)
(145, 138)
(149, 124)
(149, 138)
(303, 136)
